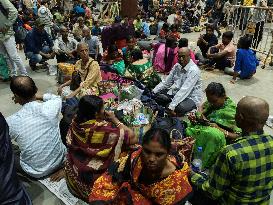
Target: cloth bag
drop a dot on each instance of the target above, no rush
(172, 125)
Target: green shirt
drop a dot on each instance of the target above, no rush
(7, 19)
(243, 173)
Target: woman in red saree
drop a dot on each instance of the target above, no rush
(147, 176)
(95, 139)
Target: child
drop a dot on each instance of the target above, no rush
(246, 62)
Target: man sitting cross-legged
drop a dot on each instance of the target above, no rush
(35, 127)
(222, 55)
(181, 92)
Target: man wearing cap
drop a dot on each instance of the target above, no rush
(8, 15)
(45, 16)
(38, 45)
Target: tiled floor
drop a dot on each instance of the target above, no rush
(261, 85)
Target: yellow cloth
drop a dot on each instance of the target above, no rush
(89, 78)
(248, 3)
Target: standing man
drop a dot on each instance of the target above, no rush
(181, 92)
(92, 42)
(243, 172)
(8, 15)
(259, 18)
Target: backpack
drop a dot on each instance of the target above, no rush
(172, 125)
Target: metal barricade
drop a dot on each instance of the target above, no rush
(254, 21)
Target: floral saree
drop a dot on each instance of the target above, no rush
(120, 185)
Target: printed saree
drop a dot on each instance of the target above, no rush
(212, 139)
(92, 147)
(120, 185)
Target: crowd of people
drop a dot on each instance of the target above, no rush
(94, 147)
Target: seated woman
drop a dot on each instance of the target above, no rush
(246, 61)
(87, 69)
(112, 62)
(184, 42)
(141, 69)
(149, 175)
(95, 138)
(214, 125)
(166, 56)
(126, 51)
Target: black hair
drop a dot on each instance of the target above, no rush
(165, 27)
(44, 2)
(159, 135)
(216, 89)
(170, 41)
(129, 38)
(89, 106)
(136, 54)
(173, 26)
(112, 48)
(244, 42)
(24, 87)
(183, 42)
(210, 26)
(228, 35)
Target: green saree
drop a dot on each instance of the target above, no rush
(212, 139)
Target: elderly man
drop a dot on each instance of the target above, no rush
(181, 92)
(38, 45)
(35, 127)
(243, 172)
(78, 28)
(8, 15)
(12, 191)
(92, 41)
(65, 47)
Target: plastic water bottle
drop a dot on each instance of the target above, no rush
(197, 162)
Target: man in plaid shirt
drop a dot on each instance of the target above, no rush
(243, 172)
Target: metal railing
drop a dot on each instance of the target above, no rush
(254, 21)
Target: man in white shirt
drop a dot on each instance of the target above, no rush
(181, 92)
(35, 127)
(65, 47)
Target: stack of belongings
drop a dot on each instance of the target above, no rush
(64, 72)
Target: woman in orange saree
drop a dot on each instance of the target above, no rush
(147, 176)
